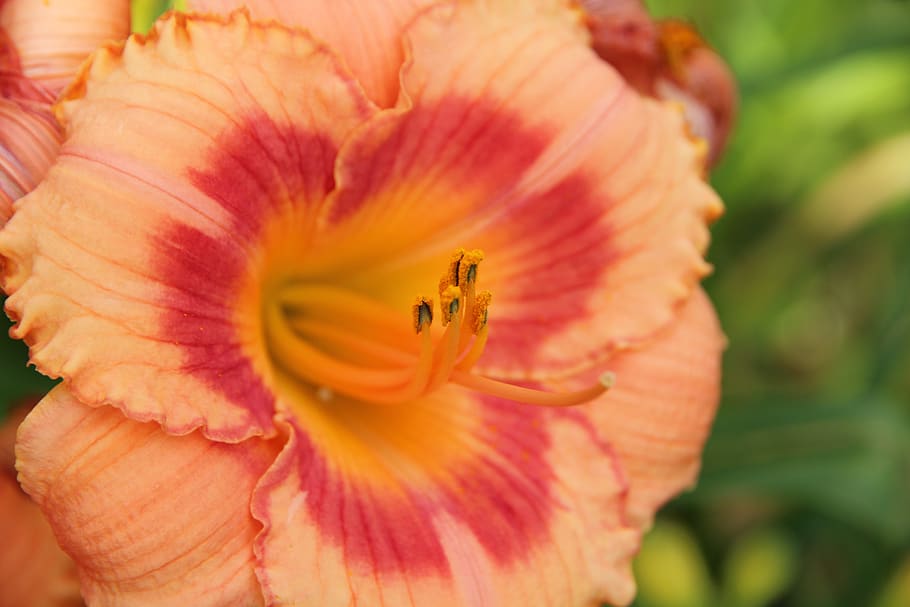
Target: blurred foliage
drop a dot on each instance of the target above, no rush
(146, 11)
(804, 499)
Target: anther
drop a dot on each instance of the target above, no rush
(479, 312)
(452, 274)
(423, 313)
(449, 303)
(467, 268)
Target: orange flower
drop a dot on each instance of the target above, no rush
(42, 42)
(270, 396)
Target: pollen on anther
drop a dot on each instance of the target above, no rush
(452, 272)
(467, 269)
(449, 303)
(479, 312)
(423, 313)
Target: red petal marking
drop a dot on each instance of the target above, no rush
(457, 140)
(504, 497)
(568, 249)
(261, 168)
(255, 170)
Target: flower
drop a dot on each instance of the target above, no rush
(41, 45)
(270, 396)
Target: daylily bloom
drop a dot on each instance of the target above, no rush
(34, 572)
(334, 333)
(42, 43)
(667, 59)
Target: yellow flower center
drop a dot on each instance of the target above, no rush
(338, 341)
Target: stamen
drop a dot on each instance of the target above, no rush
(447, 354)
(342, 342)
(531, 396)
(479, 311)
(467, 268)
(418, 383)
(340, 306)
(423, 313)
(467, 280)
(451, 276)
(449, 303)
(468, 361)
(311, 365)
(345, 340)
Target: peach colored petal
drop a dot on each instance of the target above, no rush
(33, 569)
(150, 519)
(29, 140)
(669, 60)
(53, 37)
(587, 199)
(660, 411)
(121, 267)
(41, 44)
(367, 34)
(453, 500)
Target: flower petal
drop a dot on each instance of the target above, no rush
(33, 569)
(660, 411)
(29, 140)
(366, 34)
(124, 267)
(587, 199)
(54, 37)
(150, 519)
(451, 500)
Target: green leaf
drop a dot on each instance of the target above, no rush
(850, 461)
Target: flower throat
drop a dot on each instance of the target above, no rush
(340, 342)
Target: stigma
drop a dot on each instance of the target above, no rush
(342, 343)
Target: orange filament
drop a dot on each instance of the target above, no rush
(340, 342)
(531, 396)
(471, 357)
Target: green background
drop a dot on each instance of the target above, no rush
(804, 497)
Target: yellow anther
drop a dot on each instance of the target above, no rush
(467, 269)
(479, 311)
(451, 276)
(423, 313)
(449, 303)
